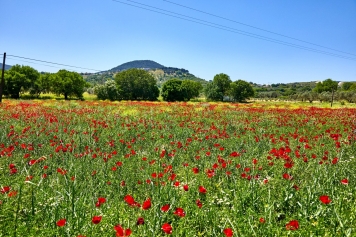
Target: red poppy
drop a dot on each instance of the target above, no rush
(100, 201)
(61, 222)
(129, 200)
(185, 187)
(202, 190)
(179, 212)
(345, 181)
(5, 189)
(121, 232)
(146, 204)
(325, 199)
(287, 176)
(234, 154)
(199, 204)
(12, 193)
(140, 221)
(165, 208)
(228, 232)
(167, 228)
(292, 225)
(262, 220)
(195, 170)
(32, 162)
(96, 219)
(335, 160)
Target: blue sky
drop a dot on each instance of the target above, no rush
(102, 34)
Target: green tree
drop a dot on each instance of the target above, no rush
(172, 90)
(212, 92)
(241, 90)
(68, 84)
(191, 89)
(108, 91)
(20, 79)
(222, 83)
(345, 86)
(136, 84)
(326, 86)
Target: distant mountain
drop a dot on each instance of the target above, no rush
(7, 67)
(158, 71)
(144, 64)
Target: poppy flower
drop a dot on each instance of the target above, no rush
(100, 201)
(129, 200)
(12, 194)
(195, 170)
(185, 187)
(345, 181)
(292, 225)
(146, 204)
(179, 212)
(199, 204)
(167, 228)
(228, 232)
(61, 222)
(121, 231)
(96, 219)
(5, 189)
(287, 176)
(325, 199)
(335, 160)
(262, 220)
(202, 190)
(140, 221)
(165, 208)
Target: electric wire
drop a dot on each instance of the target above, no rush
(19, 60)
(60, 64)
(251, 26)
(233, 30)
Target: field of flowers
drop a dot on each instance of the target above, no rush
(176, 169)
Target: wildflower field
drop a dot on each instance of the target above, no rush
(176, 169)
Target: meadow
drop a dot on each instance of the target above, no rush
(96, 168)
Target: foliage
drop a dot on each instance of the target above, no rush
(241, 90)
(136, 84)
(326, 86)
(178, 90)
(212, 92)
(172, 90)
(19, 79)
(68, 84)
(108, 91)
(191, 89)
(222, 83)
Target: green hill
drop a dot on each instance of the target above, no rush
(158, 71)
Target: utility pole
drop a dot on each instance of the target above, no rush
(2, 84)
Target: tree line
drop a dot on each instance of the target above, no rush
(25, 79)
(136, 84)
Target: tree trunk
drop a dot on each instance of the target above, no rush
(66, 96)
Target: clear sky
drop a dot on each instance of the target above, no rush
(102, 34)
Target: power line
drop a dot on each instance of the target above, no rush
(233, 30)
(54, 63)
(32, 62)
(251, 26)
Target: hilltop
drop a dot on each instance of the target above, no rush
(158, 71)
